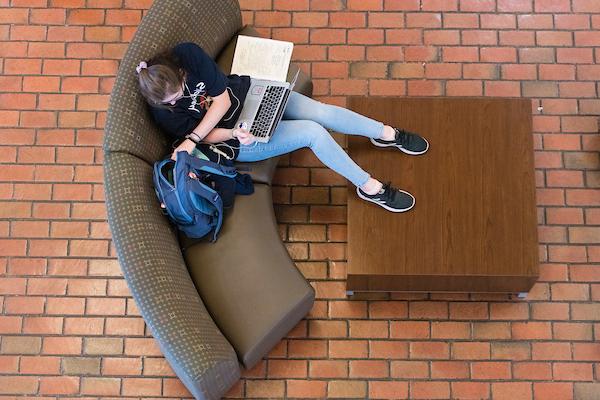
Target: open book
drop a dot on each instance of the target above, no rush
(262, 58)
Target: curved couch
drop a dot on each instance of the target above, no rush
(211, 307)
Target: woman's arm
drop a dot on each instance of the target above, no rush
(221, 134)
(218, 135)
(217, 110)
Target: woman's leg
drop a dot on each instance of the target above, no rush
(333, 117)
(294, 134)
(291, 135)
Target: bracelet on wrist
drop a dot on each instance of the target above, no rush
(192, 138)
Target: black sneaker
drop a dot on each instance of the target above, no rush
(408, 142)
(390, 198)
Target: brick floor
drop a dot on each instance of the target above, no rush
(70, 328)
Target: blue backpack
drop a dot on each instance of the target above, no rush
(193, 204)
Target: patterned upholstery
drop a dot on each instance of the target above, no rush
(147, 248)
(160, 282)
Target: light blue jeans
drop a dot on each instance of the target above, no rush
(304, 124)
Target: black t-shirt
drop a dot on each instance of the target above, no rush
(203, 81)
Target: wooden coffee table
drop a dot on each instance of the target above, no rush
(474, 225)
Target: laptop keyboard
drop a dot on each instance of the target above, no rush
(267, 110)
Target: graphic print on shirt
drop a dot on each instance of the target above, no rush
(198, 98)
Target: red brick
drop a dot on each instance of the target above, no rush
(287, 368)
(498, 21)
(428, 310)
(462, 20)
(491, 330)
(584, 273)
(586, 6)
(100, 386)
(511, 390)
(404, 36)
(464, 88)
(407, 70)
(423, 20)
(429, 350)
(449, 370)
(430, 390)
(586, 351)
(441, 37)
(551, 351)
(369, 329)
(102, 34)
(56, 102)
(491, 370)
(573, 371)
(586, 312)
(559, 390)
(554, 38)
(327, 328)
(388, 390)
(61, 345)
(368, 70)
(24, 305)
(366, 36)
(460, 54)
(470, 311)
(40, 365)
(502, 89)
(450, 330)
(61, 67)
(471, 390)
(532, 371)
(368, 369)
(409, 369)
(307, 389)
(410, 329)
(517, 38)
(59, 385)
(328, 369)
(498, 54)
(515, 5)
(387, 349)
(348, 349)
(519, 72)
(385, 20)
(347, 20)
(365, 5)
(28, 32)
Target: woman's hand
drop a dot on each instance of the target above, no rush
(244, 136)
(187, 145)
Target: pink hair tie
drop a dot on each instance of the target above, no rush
(141, 66)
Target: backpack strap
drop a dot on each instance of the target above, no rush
(204, 165)
(212, 197)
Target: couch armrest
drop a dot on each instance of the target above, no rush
(160, 283)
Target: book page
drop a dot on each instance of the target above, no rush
(262, 58)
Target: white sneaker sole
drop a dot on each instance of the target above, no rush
(396, 210)
(402, 149)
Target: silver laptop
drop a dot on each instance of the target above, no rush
(264, 106)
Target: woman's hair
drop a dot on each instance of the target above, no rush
(160, 77)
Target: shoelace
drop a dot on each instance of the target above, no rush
(388, 192)
(402, 137)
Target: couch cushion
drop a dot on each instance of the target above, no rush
(247, 280)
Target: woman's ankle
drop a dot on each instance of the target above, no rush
(388, 133)
(371, 187)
